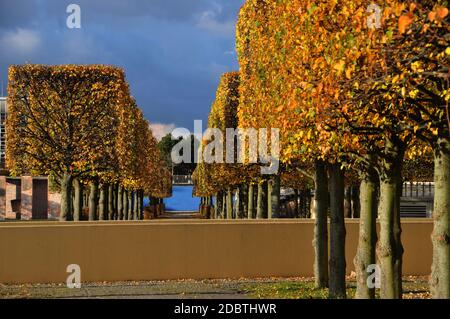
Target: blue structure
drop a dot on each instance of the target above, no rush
(181, 200)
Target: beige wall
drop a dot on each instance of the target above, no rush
(157, 250)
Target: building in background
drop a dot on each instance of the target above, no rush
(3, 112)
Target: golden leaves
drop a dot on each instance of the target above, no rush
(311, 68)
(223, 115)
(82, 133)
(404, 22)
(339, 66)
(438, 14)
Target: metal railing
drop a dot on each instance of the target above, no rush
(182, 180)
(418, 190)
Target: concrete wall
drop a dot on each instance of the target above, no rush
(157, 250)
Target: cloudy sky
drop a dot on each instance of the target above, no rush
(173, 51)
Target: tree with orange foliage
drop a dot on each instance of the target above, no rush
(61, 121)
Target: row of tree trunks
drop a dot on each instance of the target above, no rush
(389, 249)
(352, 208)
(105, 201)
(330, 198)
(260, 201)
(361, 202)
(302, 204)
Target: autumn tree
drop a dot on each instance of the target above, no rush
(416, 52)
(219, 172)
(272, 60)
(61, 121)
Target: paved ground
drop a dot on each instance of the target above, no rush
(186, 289)
(292, 288)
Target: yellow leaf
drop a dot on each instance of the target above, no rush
(339, 67)
(348, 73)
(438, 14)
(441, 12)
(404, 22)
(432, 16)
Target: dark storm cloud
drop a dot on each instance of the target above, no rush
(173, 51)
(25, 12)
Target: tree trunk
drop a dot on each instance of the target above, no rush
(440, 277)
(135, 206)
(111, 197)
(93, 200)
(356, 204)
(78, 200)
(307, 206)
(237, 203)
(273, 193)
(212, 207)
(320, 241)
(223, 213)
(244, 200)
(213, 213)
(125, 204)
(250, 201)
(390, 248)
(261, 205)
(229, 204)
(66, 197)
(296, 204)
(269, 199)
(130, 205)
(386, 246)
(117, 200)
(141, 204)
(219, 204)
(365, 254)
(120, 203)
(348, 202)
(337, 233)
(103, 202)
